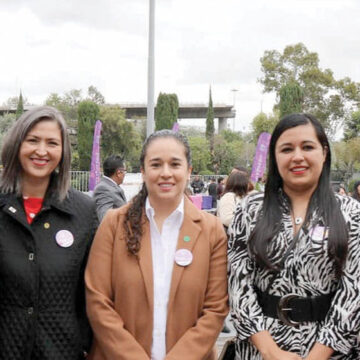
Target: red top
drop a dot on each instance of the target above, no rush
(32, 207)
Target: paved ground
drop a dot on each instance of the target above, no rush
(221, 341)
(223, 337)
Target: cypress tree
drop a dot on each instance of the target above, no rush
(20, 106)
(210, 128)
(291, 98)
(167, 109)
(88, 113)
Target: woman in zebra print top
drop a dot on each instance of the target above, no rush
(296, 238)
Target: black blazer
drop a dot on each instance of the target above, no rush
(42, 303)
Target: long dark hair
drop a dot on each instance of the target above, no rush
(323, 200)
(134, 217)
(356, 194)
(238, 183)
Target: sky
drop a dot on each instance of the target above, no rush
(52, 46)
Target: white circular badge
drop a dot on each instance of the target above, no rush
(183, 257)
(64, 238)
(319, 232)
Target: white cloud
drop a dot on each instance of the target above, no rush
(50, 46)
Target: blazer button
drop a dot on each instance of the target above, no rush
(31, 256)
(30, 310)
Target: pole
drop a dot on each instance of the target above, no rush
(150, 124)
(234, 106)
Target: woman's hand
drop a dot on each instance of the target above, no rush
(269, 349)
(320, 352)
(278, 354)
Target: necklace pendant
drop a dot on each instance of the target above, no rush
(298, 220)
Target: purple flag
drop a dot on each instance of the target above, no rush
(175, 127)
(95, 158)
(259, 162)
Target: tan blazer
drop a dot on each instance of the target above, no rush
(119, 291)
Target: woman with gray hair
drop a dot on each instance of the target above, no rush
(46, 230)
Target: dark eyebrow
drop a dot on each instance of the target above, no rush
(303, 142)
(37, 137)
(160, 159)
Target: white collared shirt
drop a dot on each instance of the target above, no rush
(163, 248)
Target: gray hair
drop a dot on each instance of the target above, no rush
(10, 181)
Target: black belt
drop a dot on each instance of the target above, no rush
(293, 309)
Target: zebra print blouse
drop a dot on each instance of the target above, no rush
(307, 271)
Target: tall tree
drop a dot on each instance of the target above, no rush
(20, 106)
(119, 136)
(346, 156)
(13, 101)
(226, 153)
(210, 131)
(201, 157)
(166, 112)
(88, 113)
(67, 104)
(210, 128)
(291, 98)
(330, 100)
(352, 126)
(6, 122)
(95, 95)
(263, 123)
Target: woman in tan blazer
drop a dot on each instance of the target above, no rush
(156, 279)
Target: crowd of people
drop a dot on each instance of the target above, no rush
(152, 278)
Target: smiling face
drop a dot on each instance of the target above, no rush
(166, 172)
(40, 152)
(300, 158)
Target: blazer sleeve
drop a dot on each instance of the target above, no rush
(198, 341)
(108, 327)
(246, 313)
(104, 200)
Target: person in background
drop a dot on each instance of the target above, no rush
(342, 190)
(240, 169)
(294, 256)
(212, 190)
(339, 189)
(356, 192)
(198, 185)
(251, 187)
(156, 279)
(108, 194)
(236, 188)
(220, 187)
(46, 232)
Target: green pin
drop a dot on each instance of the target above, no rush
(186, 238)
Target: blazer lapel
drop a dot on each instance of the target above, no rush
(145, 263)
(122, 194)
(188, 235)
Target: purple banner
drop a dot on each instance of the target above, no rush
(259, 163)
(95, 158)
(175, 127)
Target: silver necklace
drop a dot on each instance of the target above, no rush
(298, 220)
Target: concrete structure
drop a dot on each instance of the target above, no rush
(187, 111)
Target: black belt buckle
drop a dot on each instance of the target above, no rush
(283, 309)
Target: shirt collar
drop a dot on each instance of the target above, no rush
(110, 179)
(150, 211)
